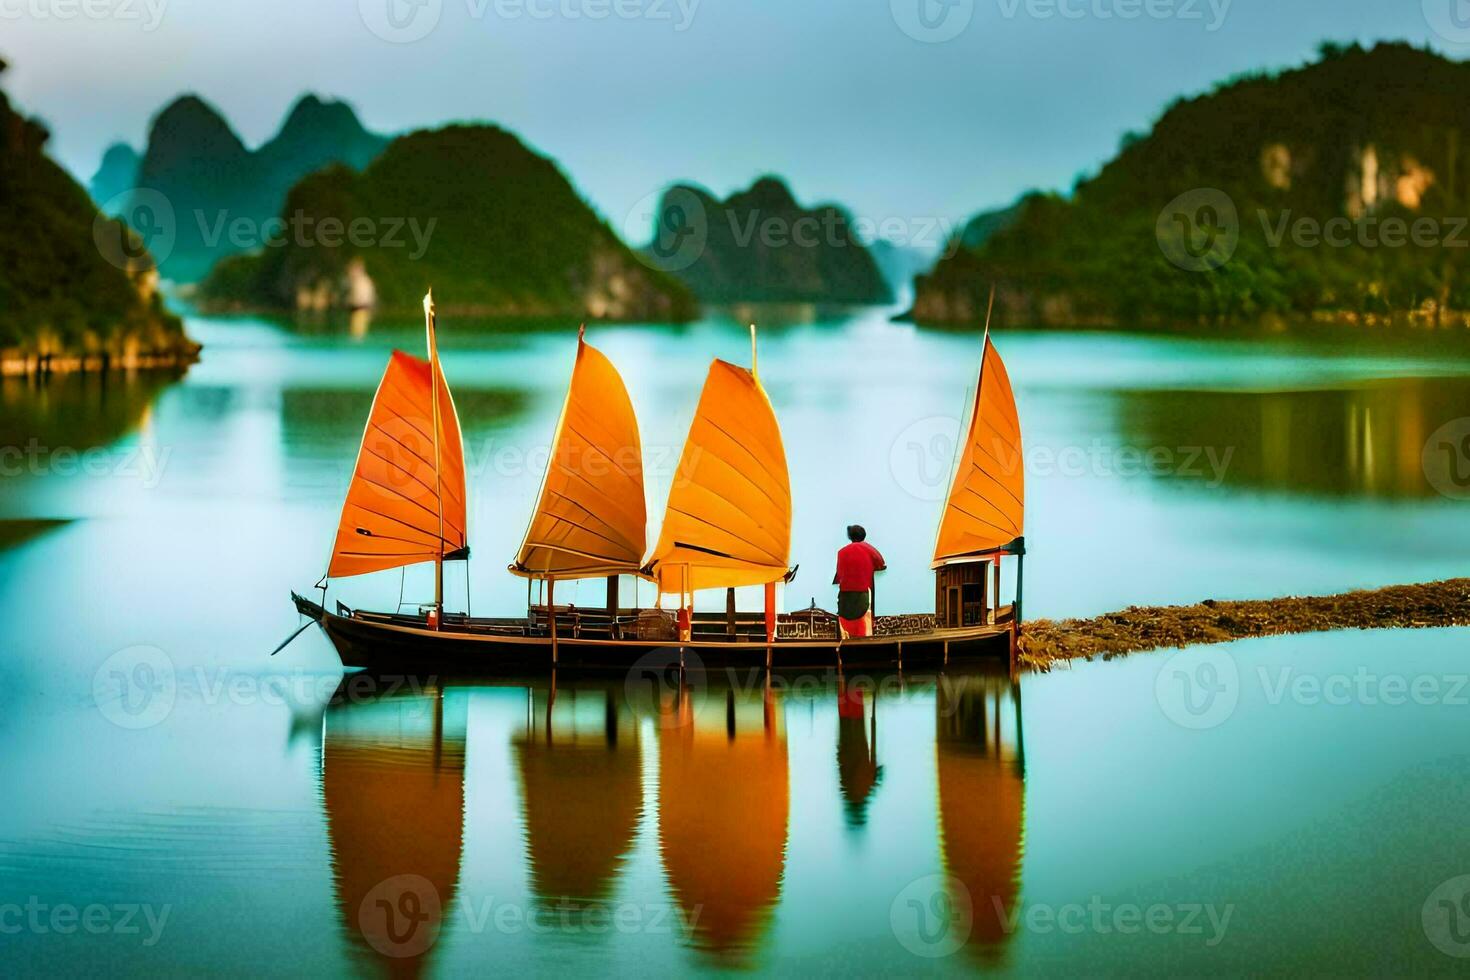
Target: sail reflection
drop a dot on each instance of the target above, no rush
(724, 796)
(393, 789)
(981, 762)
(580, 767)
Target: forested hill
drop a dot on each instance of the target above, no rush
(1335, 192)
(72, 283)
(494, 227)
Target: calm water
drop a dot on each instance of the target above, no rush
(177, 802)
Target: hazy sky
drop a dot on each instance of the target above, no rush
(845, 98)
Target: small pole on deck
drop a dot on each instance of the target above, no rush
(612, 607)
(770, 621)
(730, 612)
(1020, 570)
(873, 608)
(551, 613)
(996, 601)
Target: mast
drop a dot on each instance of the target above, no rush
(438, 468)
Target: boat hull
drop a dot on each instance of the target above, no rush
(396, 647)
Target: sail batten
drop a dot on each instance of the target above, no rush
(728, 519)
(402, 508)
(590, 518)
(405, 503)
(985, 510)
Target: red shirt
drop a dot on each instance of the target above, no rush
(855, 567)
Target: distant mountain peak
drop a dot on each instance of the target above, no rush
(768, 192)
(117, 174)
(190, 111)
(312, 112)
(197, 161)
(758, 247)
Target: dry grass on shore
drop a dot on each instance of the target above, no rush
(1139, 628)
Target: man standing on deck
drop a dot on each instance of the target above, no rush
(856, 565)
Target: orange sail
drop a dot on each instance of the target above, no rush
(591, 519)
(406, 502)
(985, 512)
(728, 521)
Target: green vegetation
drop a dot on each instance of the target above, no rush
(1348, 185)
(59, 293)
(495, 229)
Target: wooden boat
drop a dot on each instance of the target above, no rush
(727, 525)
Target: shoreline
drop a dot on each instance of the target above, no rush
(478, 311)
(15, 363)
(1226, 329)
(1140, 629)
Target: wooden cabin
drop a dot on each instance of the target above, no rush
(960, 597)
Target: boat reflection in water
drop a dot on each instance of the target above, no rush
(582, 763)
(580, 767)
(393, 789)
(724, 796)
(981, 762)
(858, 772)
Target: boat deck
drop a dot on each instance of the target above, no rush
(591, 639)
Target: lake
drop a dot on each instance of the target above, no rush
(178, 802)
